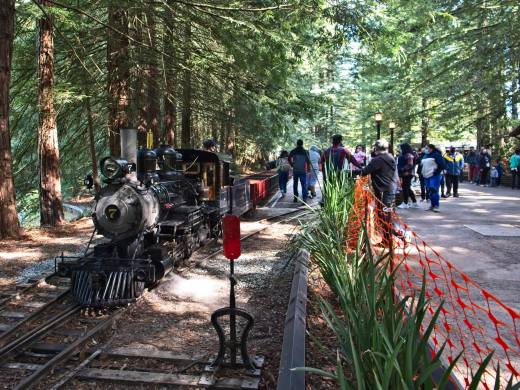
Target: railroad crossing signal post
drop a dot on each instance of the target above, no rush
(231, 230)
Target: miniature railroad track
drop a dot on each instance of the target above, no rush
(40, 340)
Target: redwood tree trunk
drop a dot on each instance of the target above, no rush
(118, 74)
(186, 93)
(92, 145)
(170, 82)
(154, 108)
(9, 225)
(51, 208)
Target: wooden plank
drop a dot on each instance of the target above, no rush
(152, 378)
(13, 314)
(138, 377)
(150, 354)
(47, 348)
(21, 366)
(4, 327)
(32, 304)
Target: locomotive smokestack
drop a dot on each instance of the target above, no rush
(129, 145)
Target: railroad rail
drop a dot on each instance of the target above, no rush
(42, 340)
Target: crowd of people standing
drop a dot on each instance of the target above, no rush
(438, 173)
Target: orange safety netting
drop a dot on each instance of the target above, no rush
(472, 320)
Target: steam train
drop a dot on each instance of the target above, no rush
(155, 208)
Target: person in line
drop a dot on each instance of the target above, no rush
(284, 169)
(494, 176)
(382, 170)
(485, 167)
(500, 172)
(334, 157)
(473, 167)
(424, 193)
(405, 169)
(299, 160)
(312, 175)
(514, 166)
(361, 158)
(454, 165)
(432, 167)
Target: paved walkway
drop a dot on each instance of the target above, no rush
(287, 201)
(491, 257)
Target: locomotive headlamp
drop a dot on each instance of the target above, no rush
(113, 168)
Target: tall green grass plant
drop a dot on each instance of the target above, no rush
(379, 337)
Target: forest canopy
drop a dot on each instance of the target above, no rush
(254, 75)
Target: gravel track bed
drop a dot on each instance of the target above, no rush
(176, 315)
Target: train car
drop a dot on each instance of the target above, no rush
(155, 208)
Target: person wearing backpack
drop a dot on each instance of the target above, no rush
(284, 169)
(405, 168)
(314, 168)
(334, 157)
(299, 160)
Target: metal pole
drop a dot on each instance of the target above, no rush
(232, 316)
(378, 129)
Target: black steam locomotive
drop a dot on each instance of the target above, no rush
(155, 208)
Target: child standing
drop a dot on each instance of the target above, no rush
(500, 171)
(494, 177)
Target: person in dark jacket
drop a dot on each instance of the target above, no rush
(485, 167)
(299, 160)
(432, 167)
(382, 170)
(472, 161)
(405, 168)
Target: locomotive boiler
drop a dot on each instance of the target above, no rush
(154, 209)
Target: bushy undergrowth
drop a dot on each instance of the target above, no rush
(379, 338)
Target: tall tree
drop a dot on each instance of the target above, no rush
(51, 208)
(154, 108)
(9, 224)
(170, 88)
(118, 73)
(187, 92)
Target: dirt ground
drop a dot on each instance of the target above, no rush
(321, 343)
(39, 244)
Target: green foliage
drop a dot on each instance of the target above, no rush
(379, 337)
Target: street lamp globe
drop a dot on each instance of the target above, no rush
(378, 117)
(392, 125)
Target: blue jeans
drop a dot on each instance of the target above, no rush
(432, 184)
(302, 177)
(283, 178)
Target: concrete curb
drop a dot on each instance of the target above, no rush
(293, 348)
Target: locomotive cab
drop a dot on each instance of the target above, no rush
(219, 192)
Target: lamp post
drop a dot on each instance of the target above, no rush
(379, 118)
(392, 127)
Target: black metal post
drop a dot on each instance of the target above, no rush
(378, 129)
(232, 315)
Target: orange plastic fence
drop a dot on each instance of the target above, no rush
(472, 320)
